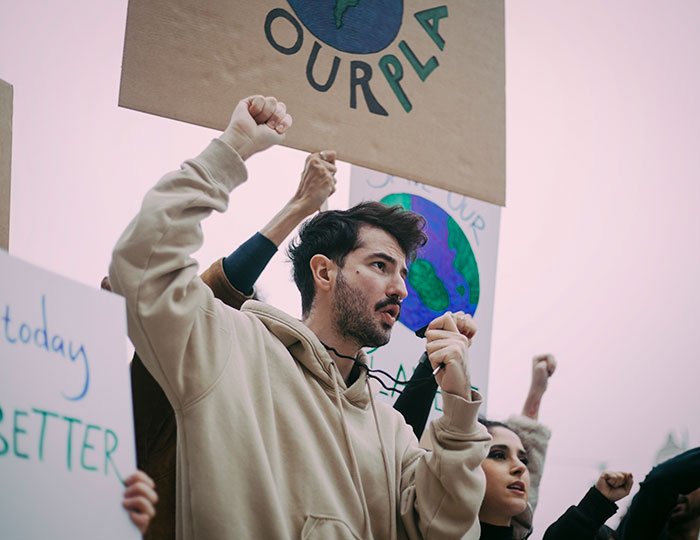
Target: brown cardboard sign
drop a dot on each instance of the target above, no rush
(411, 88)
(6, 92)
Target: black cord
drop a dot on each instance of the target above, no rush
(371, 372)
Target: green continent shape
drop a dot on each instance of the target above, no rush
(341, 6)
(430, 288)
(464, 261)
(401, 199)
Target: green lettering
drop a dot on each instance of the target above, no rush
(69, 452)
(423, 70)
(110, 450)
(16, 429)
(435, 402)
(387, 63)
(43, 414)
(85, 446)
(6, 446)
(401, 372)
(434, 14)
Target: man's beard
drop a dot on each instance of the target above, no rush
(354, 319)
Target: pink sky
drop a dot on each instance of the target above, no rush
(598, 259)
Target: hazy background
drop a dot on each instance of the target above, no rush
(598, 259)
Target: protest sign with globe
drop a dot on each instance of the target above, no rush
(454, 271)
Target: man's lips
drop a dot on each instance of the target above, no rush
(390, 313)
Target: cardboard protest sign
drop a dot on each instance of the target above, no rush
(415, 89)
(454, 271)
(5, 161)
(66, 425)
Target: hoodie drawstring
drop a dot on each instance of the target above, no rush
(392, 505)
(355, 470)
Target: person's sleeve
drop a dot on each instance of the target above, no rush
(442, 490)
(244, 266)
(658, 494)
(417, 397)
(535, 438)
(221, 286)
(182, 333)
(582, 522)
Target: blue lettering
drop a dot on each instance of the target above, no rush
(57, 345)
(25, 333)
(42, 332)
(86, 384)
(7, 320)
(389, 179)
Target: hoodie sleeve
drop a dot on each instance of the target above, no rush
(581, 522)
(442, 490)
(173, 318)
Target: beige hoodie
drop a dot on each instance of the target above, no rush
(272, 444)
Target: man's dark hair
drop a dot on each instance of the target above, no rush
(336, 233)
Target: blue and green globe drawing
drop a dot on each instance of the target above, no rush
(352, 26)
(444, 276)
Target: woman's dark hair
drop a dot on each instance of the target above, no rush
(489, 424)
(336, 233)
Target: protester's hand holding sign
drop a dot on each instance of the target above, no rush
(140, 499)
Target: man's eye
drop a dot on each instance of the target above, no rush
(379, 264)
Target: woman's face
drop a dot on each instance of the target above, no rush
(507, 478)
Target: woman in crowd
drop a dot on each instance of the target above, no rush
(508, 487)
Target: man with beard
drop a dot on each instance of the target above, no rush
(278, 432)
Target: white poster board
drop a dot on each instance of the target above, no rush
(456, 270)
(66, 424)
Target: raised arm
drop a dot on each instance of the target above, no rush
(581, 522)
(534, 435)
(543, 367)
(442, 491)
(243, 267)
(170, 310)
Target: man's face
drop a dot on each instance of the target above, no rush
(369, 289)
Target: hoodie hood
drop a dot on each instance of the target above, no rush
(307, 349)
(522, 524)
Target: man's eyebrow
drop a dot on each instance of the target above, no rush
(389, 259)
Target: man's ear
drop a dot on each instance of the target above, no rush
(324, 271)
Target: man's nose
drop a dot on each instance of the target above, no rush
(398, 288)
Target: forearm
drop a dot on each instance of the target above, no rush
(449, 484)
(417, 397)
(152, 265)
(582, 521)
(284, 223)
(531, 408)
